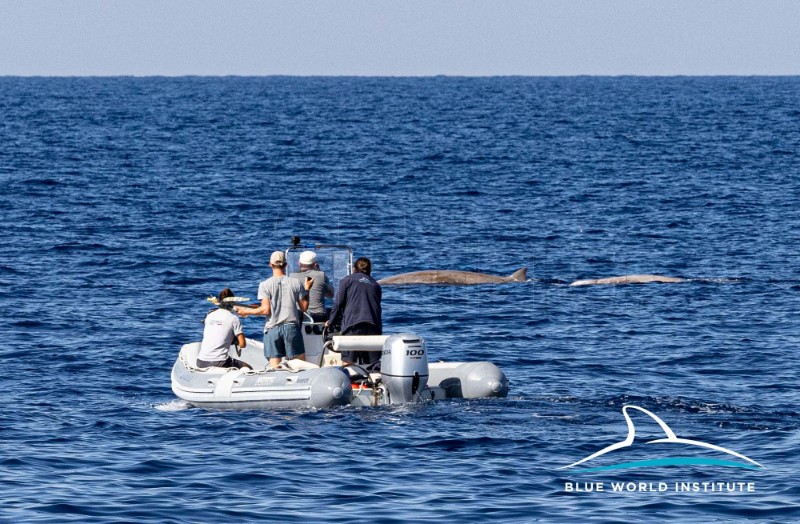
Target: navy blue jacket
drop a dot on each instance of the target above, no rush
(358, 301)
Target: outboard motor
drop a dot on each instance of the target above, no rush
(404, 367)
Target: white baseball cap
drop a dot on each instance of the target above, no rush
(308, 258)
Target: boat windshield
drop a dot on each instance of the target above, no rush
(336, 261)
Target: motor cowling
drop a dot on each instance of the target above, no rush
(404, 367)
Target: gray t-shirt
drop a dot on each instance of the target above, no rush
(221, 327)
(316, 295)
(283, 293)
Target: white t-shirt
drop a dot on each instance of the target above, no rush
(221, 327)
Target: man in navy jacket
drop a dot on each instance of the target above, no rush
(358, 308)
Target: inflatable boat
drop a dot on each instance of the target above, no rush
(402, 375)
(405, 375)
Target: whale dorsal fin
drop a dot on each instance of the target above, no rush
(519, 275)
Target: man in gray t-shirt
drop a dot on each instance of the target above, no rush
(283, 300)
(322, 287)
(283, 293)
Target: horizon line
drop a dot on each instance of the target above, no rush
(454, 76)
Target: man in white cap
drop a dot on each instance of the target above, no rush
(283, 300)
(322, 287)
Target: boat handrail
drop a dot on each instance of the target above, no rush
(358, 342)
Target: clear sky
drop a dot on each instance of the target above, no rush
(399, 37)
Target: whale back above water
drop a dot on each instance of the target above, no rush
(628, 279)
(451, 277)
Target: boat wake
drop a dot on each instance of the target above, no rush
(173, 405)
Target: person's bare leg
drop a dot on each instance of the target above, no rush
(274, 362)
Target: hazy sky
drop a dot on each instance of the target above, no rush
(399, 37)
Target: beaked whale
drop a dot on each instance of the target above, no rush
(628, 279)
(445, 276)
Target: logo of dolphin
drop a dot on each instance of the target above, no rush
(671, 438)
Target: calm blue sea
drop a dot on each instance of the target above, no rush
(127, 201)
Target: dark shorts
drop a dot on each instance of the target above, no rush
(362, 357)
(227, 363)
(285, 340)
